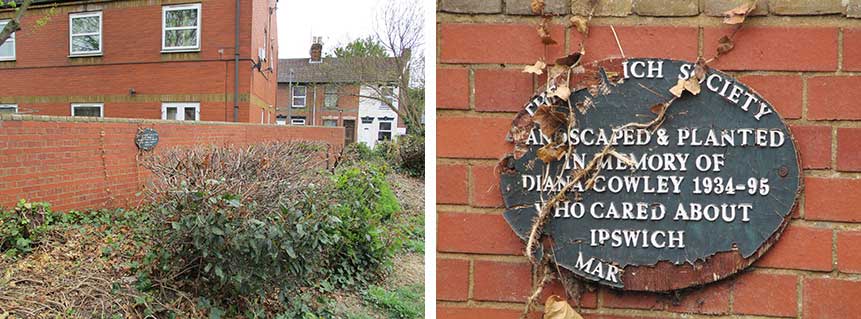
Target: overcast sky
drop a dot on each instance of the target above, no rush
(337, 21)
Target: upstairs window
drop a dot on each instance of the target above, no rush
(181, 27)
(8, 108)
(7, 50)
(85, 33)
(299, 96)
(331, 96)
(388, 93)
(87, 109)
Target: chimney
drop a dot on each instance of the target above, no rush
(316, 49)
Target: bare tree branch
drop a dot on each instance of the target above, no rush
(14, 24)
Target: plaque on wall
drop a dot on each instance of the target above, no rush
(146, 139)
(681, 191)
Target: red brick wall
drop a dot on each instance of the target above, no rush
(88, 163)
(806, 67)
(131, 39)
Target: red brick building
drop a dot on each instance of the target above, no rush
(178, 60)
(335, 92)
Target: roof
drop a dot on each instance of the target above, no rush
(338, 70)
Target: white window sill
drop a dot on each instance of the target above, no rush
(180, 50)
(6, 59)
(85, 55)
(298, 106)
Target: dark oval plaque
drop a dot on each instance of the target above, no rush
(146, 139)
(711, 189)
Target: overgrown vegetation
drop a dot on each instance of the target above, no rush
(255, 232)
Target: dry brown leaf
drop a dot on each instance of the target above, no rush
(537, 68)
(677, 89)
(521, 127)
(724, 45)
(658, 108)
(549, 119)
(537, 6)
(692, 85)
(738, 14)
(557, 308)
(557, 70)
(561, 91)
(570, 60)
(551, 152)
(544, 31)
(581, 24)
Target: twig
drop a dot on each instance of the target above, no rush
(617, 41)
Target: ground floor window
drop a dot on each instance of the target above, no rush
(330, 122)
(385, 132)
(87, 109)
(281, 120)
(180, 111)
(8, 108)
(297, 120)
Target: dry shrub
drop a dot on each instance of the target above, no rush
(265, 174)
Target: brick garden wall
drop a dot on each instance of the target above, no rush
(803, 56)
(78, 163)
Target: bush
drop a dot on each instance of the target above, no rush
(224, 233)
(365, 204)
(411, 154)
(22, 226)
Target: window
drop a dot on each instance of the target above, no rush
(367, 120)
(331, 96)
(299, 96)
(388, 92)
(85, 33)
(87, 109)
(330, 122)
(7, 50)
(385, 132)
(281, 120)
(180, 111)
(8, 108)
(297, 120)
(181, 27)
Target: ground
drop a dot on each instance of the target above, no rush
(84, 270)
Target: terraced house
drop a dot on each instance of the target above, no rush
(331, 91)
(209, 60)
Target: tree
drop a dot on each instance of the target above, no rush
(362, 47)
(14, 24)
(399, 32)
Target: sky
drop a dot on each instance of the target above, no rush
(337, 21)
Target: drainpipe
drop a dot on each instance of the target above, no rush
(236, 66)
(314, 108)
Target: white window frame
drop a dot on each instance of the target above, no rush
(301, 121)
(394, 97)
(73, 16)
(180, 114)
(164, 27)
(390, 130)
(9, 106)
(11, 40)
(294, 97)
(101, 107)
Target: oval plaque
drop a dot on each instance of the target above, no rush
(685, 201)
(146, 139)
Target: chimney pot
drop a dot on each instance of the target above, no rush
(316, 49)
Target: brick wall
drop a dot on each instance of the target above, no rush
(77, 163)
(803, 56)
